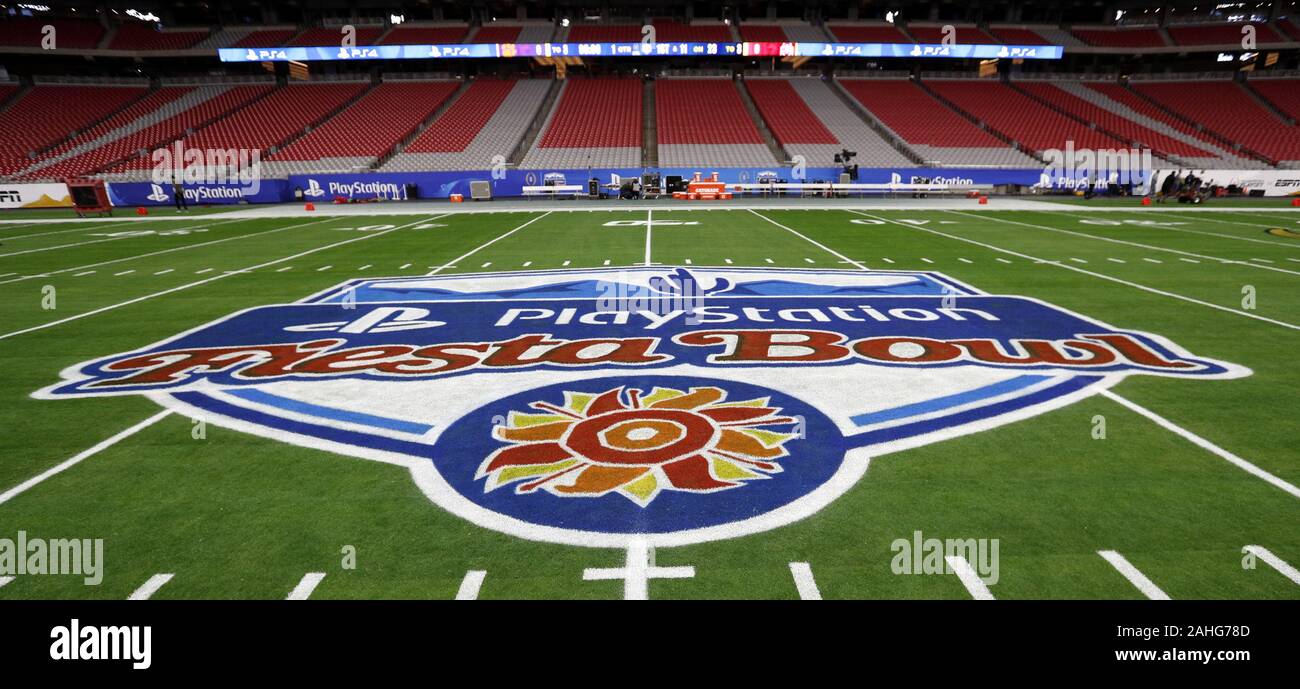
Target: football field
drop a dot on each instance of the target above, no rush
(1146, 486)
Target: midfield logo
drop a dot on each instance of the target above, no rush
(525, 403)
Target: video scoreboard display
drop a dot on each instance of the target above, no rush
(532, 50)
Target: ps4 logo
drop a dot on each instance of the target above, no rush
(348, 53)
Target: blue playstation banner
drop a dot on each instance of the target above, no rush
(645, 49)
(150, 194)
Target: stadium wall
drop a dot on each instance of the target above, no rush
(325, 188)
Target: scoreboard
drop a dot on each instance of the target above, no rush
(644, 49)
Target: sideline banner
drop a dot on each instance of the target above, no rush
(507, 183)
(150, 194)
(53, 195)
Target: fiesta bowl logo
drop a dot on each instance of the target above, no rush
(531, 404)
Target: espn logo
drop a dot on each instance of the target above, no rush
(10, 195)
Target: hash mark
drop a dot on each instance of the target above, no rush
(164, 272)
(305, 587)
(1152, 260)
(281, 270)
(125, 272)
(150, 587)
(470, 585)
(324, 268)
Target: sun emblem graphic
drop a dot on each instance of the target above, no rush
(693, 441)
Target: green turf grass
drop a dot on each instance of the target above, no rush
(240, 516)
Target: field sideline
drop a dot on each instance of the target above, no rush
(1190, 472)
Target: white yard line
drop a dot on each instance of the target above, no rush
(1159, 420)
(207, 280)
(823, 247)
(106, 239)
(1134, 575)
(486, 244)
(1084, 271)
(305, 587)
(1125, 242)
(46, 234)
(974, 585)
(177, 248)
(150, 587)
(471, 585)
(1202, 443)
(1222, 222)
(649, 225)
(1282, 566)
(804, 581)
(79, 457)
(1219, 234)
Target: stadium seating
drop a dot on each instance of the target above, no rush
(705, 122)
(45, 115)
(333, 35)
(1012, 35)
(268, 122)
(1124, 103)
(271, 38)
(868, 33)
(1284, 94)
(408, 34)
(496, 34)
(189, 111)
(964, 34)
(1220, 34)
(604, 33)
(1134, 134)
(595, 123)
(668, 30)
(1224, 108)
(763, 33)
(365, 130)
(1035, 126)
(26, 32)
(488, 119)
(1120, 38)
(1289, 27)
(809, 119)
(141, 36)
(933, 130)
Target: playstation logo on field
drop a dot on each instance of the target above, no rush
(313, 189)
(690, 406)
(156, 193)
(378, 321)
